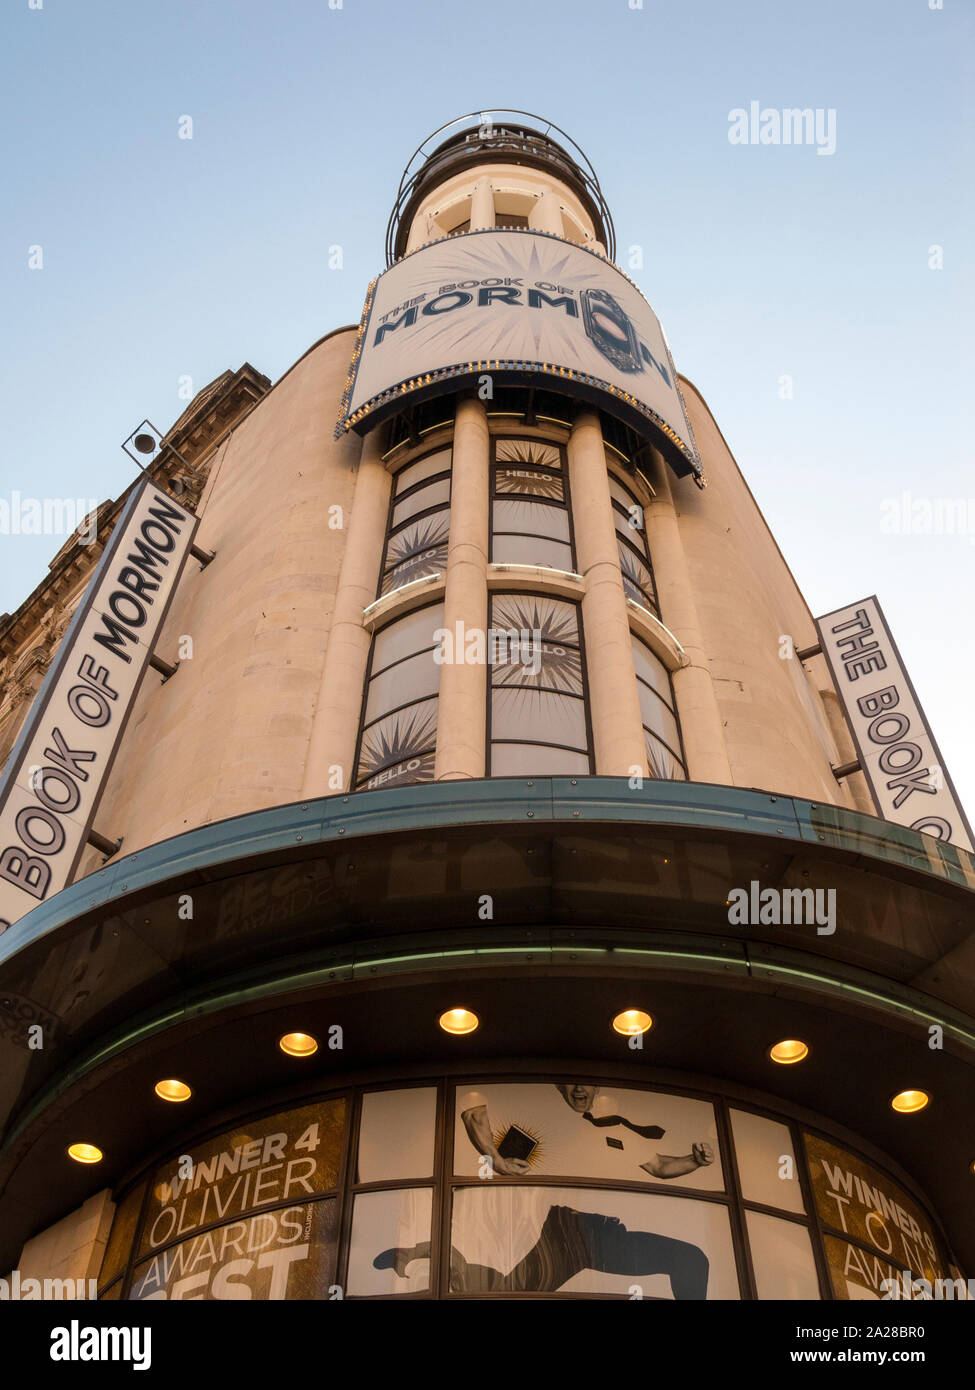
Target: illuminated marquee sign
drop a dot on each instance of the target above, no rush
(897, 751)
(51, 784)
(527, 308)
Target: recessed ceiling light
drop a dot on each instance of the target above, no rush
(631, 1022)
(910, 1102)
(85, 1153)
(298, 1044)
(459, 1021)
(789, 1050)
(172, 1090)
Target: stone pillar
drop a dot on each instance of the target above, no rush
(462, 713)
(614, 704)
(546, 214)
(336, 721)
(697, 704)
(482, 206)
(73, 1248)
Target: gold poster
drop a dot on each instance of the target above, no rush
(862, 1202)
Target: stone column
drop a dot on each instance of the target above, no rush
(614, 704)
(336, 721)
(546, 214)
(697, 704)
(482, 206)
(462, 712)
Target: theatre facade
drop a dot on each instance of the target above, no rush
(441, 854)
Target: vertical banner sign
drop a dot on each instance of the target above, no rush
(897, 751)
(52, 781)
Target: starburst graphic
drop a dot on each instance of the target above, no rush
(401, 737)
(528, 451)
(418, 550)
(536, 1159)
(637, 579)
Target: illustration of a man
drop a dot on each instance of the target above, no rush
(570, 1240)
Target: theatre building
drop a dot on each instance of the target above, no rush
(441, 854)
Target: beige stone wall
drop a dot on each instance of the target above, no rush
(777, 728)
(73, 1248)
(229, 733)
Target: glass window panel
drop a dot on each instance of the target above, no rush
(415, 473)
(657, 717)
(433, 495)
(532, 550)
(406, 773)
(517, 713)
(244, 1168)
(662, 762)
(535, 760)
(390, 1247)
(424, 534)
(417, 567)
(651, 669)
(573, 1129)
(396, 1134)
(287, 1253)
(519, 1239)
(539, 665)
(408, 681)
(782, 1258)
(399, 739)
(531, 451)
(637, 579)
(631, 533)
(533, 518)
(406, 636)
(533, 482)
(760, 1146)
(554, 619)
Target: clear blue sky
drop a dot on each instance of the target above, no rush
(166, 257)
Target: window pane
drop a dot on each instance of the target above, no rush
(396, 1134)
(651, 669)
(637, 579)
(782, 1257)
(631, 533)
(406, 636)
(406, 773)
(760, 1145)
(400, 739)
(390, 1247)
(533, 518)
(662, 762)
(429, 533)
(408, 681)
(517, 713)
(531, 451)
(533, 482)
(530, 550)
(622, 494)
(555, 620)
(297, 1259)
(535, 760)
(426, 468)
(539, 665)
(657, 717)
(433, 495)
(582, 1240)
